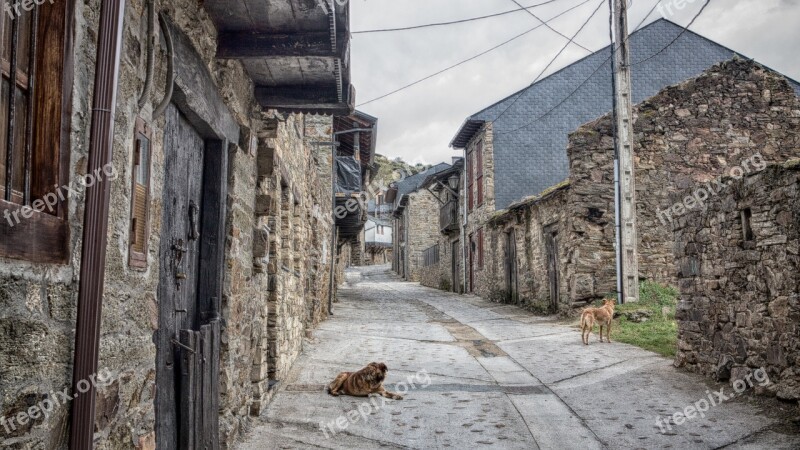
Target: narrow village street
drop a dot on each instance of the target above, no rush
(484, 374)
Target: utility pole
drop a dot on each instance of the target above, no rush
(628, 264)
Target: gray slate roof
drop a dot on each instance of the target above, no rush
(534, 158)
(414, 182)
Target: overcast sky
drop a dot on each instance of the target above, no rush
(417, 124)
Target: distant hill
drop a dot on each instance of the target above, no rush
(391, 170)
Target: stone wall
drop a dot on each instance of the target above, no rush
(530, 222)
(423, 230)
(38, 302)
(740, 292)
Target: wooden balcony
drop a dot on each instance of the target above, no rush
(448, 217)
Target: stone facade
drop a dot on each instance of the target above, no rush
(422, 231)
(278, 208)
(739, 269)
(735, 117)
(478, 216)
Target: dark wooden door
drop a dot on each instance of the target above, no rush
(187, 342)
(511, 266)
(454, 267)
(471, 261)
(551, 244)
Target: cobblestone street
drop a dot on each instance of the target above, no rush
(485, 374)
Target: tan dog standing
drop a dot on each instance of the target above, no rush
(366, 381)
(602, 315)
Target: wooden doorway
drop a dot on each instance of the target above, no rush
(455, 279)
(551, 245)
(471, 262)
(512, 290)
(190, 254)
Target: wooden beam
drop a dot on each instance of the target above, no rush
(253, 44)
(196, 94)
(318, 99)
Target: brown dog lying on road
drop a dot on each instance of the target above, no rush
(603, 315)
(366, 381)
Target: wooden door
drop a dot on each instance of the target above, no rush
(188, 335)
(471, 262)
(551, 244)
(511, 266)
(454, 267)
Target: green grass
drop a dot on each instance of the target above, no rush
(660, 332)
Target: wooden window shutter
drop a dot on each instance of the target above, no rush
(469, 177)
(140, 197)
(479, 180)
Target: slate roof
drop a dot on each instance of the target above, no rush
(414, 182)
(534, 158)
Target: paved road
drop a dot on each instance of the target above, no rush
(479, 374)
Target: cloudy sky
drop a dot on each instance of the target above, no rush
(418, 123)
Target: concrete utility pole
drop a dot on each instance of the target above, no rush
(623, 113)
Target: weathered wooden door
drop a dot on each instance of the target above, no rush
(188, 335)
(511, 266)
(551, 244)
(454, 267)
(471, 262)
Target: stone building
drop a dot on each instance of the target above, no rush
(443, 262)
(739, 277)
(216, 206)
(735, 118)
(415, 228)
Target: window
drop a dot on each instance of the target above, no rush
(479, 170)
(140, 197)
(747, 229)
(469, 180)
(34, 115)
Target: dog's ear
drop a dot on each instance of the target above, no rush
(383, 367)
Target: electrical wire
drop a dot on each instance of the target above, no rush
(602, 2)
(685, 29)
(551, 28)
(454, 22)
(548, 112)
(469, 59)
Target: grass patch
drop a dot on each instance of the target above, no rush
(660, 332)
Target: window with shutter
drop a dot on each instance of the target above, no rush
(140, 197)
(35, 99)
(479, 170)
(470, 197)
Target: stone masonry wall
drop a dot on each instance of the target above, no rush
(530, 221)
(423, 230)
(479, 216)
(38, 302)
(740, 295)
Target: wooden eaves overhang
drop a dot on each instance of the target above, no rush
(297, 52)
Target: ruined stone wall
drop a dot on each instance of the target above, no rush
(530, 222)
(734, 117)
(740, 292)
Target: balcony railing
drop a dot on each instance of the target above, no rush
(448, 217)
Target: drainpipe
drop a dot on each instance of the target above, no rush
(464, 224)
(95, 223)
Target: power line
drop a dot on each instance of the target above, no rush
(548, 112)
(685, 29)
(439, 24)
(471, 58)
(551, 61)
(551, 28)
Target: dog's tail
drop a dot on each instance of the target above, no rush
(584, 320)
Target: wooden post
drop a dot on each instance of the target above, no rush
(624, 132)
